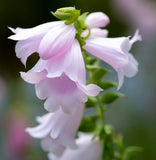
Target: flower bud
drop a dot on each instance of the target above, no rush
(69, 14)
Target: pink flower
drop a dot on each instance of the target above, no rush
(114, 51)
(88, 149)
(61, 81)
(48, 40)
(57, 130)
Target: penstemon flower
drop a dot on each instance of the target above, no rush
(114, 51)
(48, 40)
(56, 38)
(88, 149)
(57, 130)
(60, 79)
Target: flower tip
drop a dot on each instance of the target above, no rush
(138, 35)
(118, 88)
(12, 29)
(27, 130)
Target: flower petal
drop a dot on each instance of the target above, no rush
(55, 66)
(23, 34)
(131, 68)
(43, 129)
(95, 32)
(57, 41)
(36, 74)
(136, 37)
(111, 50)
(51, 145)
(97, 19)
(90, 90)
(25, 48)
(74, 64)
(60, 92)
(88, 149)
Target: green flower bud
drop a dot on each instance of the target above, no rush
(69, 14)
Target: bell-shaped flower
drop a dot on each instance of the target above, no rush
(61, 81)
(57, 130)
(87, 149)
(48, 40)
(114, 51)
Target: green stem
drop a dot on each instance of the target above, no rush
(101, 112)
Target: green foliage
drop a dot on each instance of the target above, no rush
(110, 97)
(92, 68)
(118, 140)
(80, 23)
(107, 84)
(130, 152)
(80, 39)
(90, 60)
(98, 74)
(108, 129)
(91, 102)
(88, 124)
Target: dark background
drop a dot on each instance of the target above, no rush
(134, 117)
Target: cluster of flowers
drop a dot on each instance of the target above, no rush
(60, 78)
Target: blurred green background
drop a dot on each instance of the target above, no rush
(134, 117)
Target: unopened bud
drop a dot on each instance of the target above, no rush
(69, 14)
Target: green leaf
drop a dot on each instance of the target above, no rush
(108, 151)
(98, 74)
(111, 97)
(88, 124)
(81, 20)
(130, 152)
(107, 84)
(91, 102)
(118, 140)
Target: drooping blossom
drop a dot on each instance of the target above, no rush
(57, 130)
(48, 40)
(55, 39)
(61, 81)
(114, 51)
(87, 149)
